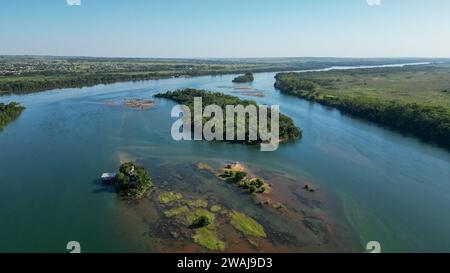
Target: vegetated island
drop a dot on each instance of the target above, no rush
(9, 112)
(189, 219)
(409, 99)
(247, 77)
(132, 181)
(236, 174)
(195, 219)
(287, 129)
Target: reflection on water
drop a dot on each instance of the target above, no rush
(374, 184)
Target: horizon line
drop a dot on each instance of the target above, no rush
(221, 58)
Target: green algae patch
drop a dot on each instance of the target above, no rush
(169, 197)
(199, 203)
(176, 211)
(215, 208)
(247, 225)
(207, 237)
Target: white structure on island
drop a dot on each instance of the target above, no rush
(108, 176)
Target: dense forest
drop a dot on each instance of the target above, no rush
(288, 130)
(428, 122)
(9, 112)
(35, 84)
(247, 77)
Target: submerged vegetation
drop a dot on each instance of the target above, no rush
(169, 197)
(287, 129)
(204, 224)
(247, 77)
(187, 222)
(207, 237)
(133, 181)
(385, 96)
(247, 225)
(9, 112)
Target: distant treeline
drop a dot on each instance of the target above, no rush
(25, 74)
(429, 123)
(35, 84)
(9, 112)
(288, 130)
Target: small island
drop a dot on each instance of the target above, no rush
(139, 104)
(235, 173)
(287, 129)
(247, 77)
(133, 181)
(9, 112)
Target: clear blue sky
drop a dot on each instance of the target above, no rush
(226, 28)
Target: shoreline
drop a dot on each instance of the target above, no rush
(67, 84)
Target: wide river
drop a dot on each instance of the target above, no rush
(389, 188)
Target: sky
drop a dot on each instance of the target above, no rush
(226, 28)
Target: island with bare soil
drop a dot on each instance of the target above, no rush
(139, 104)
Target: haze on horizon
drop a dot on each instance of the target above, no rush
(226, 28)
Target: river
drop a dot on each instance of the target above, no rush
(388, 187)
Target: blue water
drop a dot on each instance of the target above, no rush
(390, 188)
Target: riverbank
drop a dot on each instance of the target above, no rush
(412, 100)
(29, 74)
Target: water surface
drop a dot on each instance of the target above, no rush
(388, 187)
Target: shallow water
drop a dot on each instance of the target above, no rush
(384, 186)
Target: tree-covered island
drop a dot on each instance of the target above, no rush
(287, 129)
(247, 77)
(133, 181)
(9, 112)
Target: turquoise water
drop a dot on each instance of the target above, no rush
(390, 188)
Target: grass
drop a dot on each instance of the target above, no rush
(247, 225)
(207, 237)
(418, 84)
(215, 208)
(176, 211)
(412, 100)
(23, 74)
(169, 197)
(199, 203)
